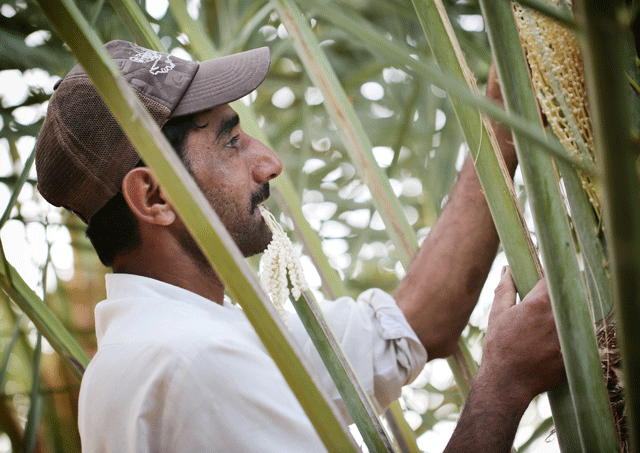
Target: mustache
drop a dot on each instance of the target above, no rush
(259, 196)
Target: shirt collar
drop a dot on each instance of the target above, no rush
(121, 286)
(134, 298)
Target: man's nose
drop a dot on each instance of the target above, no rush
(268, 165)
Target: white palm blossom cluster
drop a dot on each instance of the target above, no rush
(279, 258)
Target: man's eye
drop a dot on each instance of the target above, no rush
(233, 142)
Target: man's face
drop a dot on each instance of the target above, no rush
(232, 169)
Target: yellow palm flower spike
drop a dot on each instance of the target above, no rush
(557, 74)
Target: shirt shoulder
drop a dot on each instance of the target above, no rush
(219, 391)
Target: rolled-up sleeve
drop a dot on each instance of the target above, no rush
(374, 334)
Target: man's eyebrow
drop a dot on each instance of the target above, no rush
(227, 125)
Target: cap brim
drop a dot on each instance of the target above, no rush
(224, 80)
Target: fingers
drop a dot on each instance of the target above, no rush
(505, 294)
(539, 290)
(522, 348)
(493, 85)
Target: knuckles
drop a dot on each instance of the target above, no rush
(501, 288)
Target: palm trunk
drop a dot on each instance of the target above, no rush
(603, 47)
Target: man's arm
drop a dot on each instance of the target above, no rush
(521, 351)
(443, 283)
(521, 359)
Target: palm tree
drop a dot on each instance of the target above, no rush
(389, 167)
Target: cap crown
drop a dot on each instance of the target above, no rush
(82, 154)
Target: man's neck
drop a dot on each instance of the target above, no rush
(177, 269)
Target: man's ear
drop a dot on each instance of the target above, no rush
(146, 198)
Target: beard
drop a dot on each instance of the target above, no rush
(251, 235)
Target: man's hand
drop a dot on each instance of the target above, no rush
(522, 344)
(503, 135)
(521, 359)
(493, 85)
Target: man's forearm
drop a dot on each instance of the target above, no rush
(445, 279)
(489, 420)
(521, 358)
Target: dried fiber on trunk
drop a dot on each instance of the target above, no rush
(612, 369)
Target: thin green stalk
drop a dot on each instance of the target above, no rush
(249, 28)
(498, 187)
(405, 124)
(349, 127)
(633, 83)
(97, 9)
(586, 223)
(12, 202)
(358, 145)
(441, 75)
(587, 230)
(11, 317)
(44, 319)
(304, 119)
(204, 225)
(226, 20)
(5, 264)
(542, 430)
(404, 435)
(7, 352)
(466, 373)
(22, 348)
(18, 187)
(629, 60)
(136, 23)
(354, 396)
(568, 297)
(521, 254)
(35, 402)
(602, 46)
(197, 35)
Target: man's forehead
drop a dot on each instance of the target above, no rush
(217, 116)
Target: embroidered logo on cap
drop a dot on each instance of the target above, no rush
(158, 67)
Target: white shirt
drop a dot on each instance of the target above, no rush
(176, 372)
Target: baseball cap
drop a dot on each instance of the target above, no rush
(82, 154)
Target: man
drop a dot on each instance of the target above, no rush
(177, 369)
